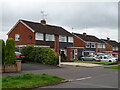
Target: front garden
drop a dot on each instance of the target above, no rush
(96, 62)
(113, 67)
(29, 80)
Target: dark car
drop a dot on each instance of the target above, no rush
(19, 56)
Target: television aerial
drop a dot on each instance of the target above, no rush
(44, 15)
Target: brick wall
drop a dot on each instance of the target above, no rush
(24, 33)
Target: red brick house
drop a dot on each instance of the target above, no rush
(90, 44)
(111, 46)
(41, 34)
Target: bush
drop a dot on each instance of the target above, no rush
(27, 50)
(41, 55)
(3, 51)
(63, 57)
(10, 56)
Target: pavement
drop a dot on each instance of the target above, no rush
(80, 64)
(79, 77)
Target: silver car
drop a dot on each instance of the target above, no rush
(107, 58)
(90, 58)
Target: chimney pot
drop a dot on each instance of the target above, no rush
(43, 22)
(84, 34)
(108, 39)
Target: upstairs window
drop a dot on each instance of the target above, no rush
(49, 37)
(87, 45)
(93, 45)
(39, 36)
(70, 39)
(62, 38)
(17, 37)
(100, 45)
(103, 45)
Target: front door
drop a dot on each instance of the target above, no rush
(73, 54)
(79, 53)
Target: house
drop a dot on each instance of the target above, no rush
(41, 34)
(91, 44)
(111, 46)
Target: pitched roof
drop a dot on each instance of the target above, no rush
(50, 29)
(88, 38)
(111, 42)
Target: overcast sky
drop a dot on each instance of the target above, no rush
(94, 18)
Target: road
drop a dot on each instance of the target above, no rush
(80, 77)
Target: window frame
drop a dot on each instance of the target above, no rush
(36, 36)
(69, 39)
(61, 36)
(17, 38)
(48, 35)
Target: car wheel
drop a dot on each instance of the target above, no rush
(110, 61)
(82, 59)
(93, 60)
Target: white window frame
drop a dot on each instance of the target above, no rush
(61, 37)
(100, 45)
(39, 36)
(17, 37)
(70, 39)
(104, 46)
(87, 44)
(49, 36)
(94, 45)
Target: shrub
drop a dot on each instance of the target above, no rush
(10, 51)
(3, 51)
(27, 50)
(42, 55)
(63, 57)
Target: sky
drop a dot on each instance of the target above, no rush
(98, 18)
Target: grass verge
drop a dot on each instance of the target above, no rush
(113, 67)
(29, 80)
(96, 62)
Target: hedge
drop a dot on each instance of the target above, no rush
(10, 56)
(42, 55)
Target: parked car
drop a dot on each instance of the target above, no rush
(107, 58)
(19, 56)
(90, 58)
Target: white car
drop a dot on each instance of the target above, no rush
(108, 59)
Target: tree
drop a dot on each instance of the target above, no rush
(2, 51)
(10, 51)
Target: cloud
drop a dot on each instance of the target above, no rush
(99, 16)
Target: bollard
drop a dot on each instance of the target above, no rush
(59, 61)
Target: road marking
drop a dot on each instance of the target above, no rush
(83, 78)
(70, 80)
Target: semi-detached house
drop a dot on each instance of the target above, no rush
(43, 35)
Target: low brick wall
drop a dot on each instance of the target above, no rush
(12, 67)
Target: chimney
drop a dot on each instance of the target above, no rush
(84, 34)
(108, 39)
(43, 22)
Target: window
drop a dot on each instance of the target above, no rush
(99, 45)
(49, 37)
(88, 45)
(92, 45)
(63, 38)
(17, 37)
(39, 36)
(116, 48)
(70, 39)
(103, 45)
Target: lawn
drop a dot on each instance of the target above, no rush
(113, 67)
(29, 80)
(95, 62)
